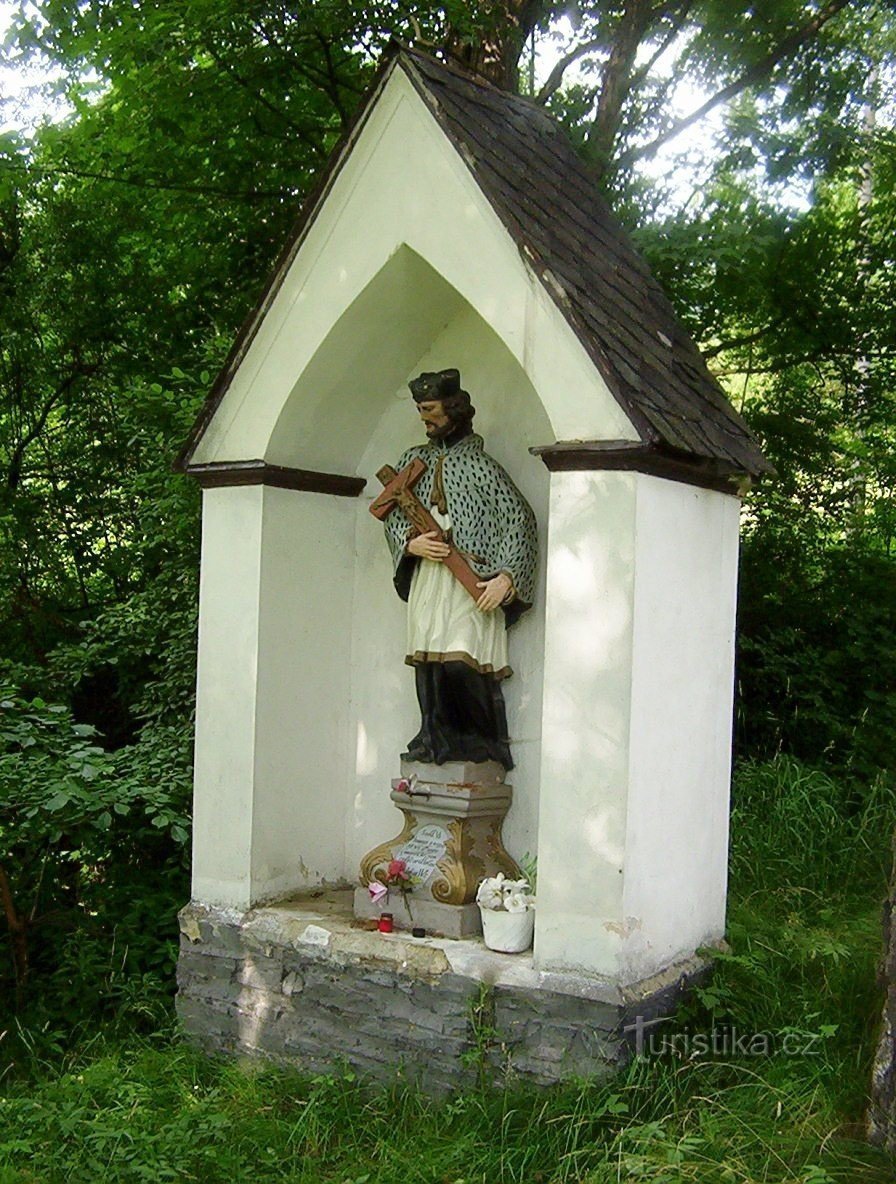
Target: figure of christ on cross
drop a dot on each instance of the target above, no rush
(464, 548)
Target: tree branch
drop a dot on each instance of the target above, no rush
(312, 74)
(14, 472)
(813, 359)
(259, 97)
(758, 72)
(555, 77)
(749, 339)
(641, 73)
(419, 39)
(332, 89)
(657, 100)
(163, 186)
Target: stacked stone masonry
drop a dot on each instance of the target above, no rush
(301, 984)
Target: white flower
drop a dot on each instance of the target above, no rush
(516, 902)
(488, 896)
(496, 892)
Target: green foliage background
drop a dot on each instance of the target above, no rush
(137, 231)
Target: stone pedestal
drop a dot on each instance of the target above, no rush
(451, 839)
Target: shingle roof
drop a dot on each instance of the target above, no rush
(525, 165)
(547, 199)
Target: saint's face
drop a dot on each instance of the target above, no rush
(435, 422)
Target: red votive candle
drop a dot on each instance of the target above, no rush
(386, 923)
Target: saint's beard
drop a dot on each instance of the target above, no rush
(440, 431)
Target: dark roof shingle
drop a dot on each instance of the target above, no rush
(547, 199)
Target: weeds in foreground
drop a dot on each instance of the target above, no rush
(796, 829)
(168, 1114)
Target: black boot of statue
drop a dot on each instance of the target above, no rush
(463, 717)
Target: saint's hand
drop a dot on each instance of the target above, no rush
(428, 546)
(496, 592)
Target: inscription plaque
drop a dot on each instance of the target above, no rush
(423, 851)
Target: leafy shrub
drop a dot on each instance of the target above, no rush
(92, 860)
(816, 645)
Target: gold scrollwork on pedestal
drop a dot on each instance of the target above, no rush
(461, 868)
(495, 853)
(383, 853)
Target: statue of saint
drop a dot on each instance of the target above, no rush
(457, 634)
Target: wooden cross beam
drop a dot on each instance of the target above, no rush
(398, 492)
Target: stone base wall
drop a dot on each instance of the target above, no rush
(302, 984)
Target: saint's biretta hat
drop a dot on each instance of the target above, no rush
(435, 384)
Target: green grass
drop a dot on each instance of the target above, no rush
(165, 1113)
(805, 939)
(798, 829)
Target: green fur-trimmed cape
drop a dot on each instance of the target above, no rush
(492, 524)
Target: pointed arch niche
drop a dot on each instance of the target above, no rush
(304, 702)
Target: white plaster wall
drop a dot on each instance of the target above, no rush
(682, 692)
(226, 683)
(273, 682)
(304, 685)
(402, 184)
(586, 722)
(384, 713)
(639, 647)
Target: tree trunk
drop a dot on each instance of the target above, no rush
(637, 17)
(17, 924)
(882, 1108)
(493, 52)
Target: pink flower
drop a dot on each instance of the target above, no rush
(397, 869)
(377, 891)
(403, 785)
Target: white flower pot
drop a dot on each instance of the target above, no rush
(507, 933)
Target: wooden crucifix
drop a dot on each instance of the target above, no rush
(398, 493)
